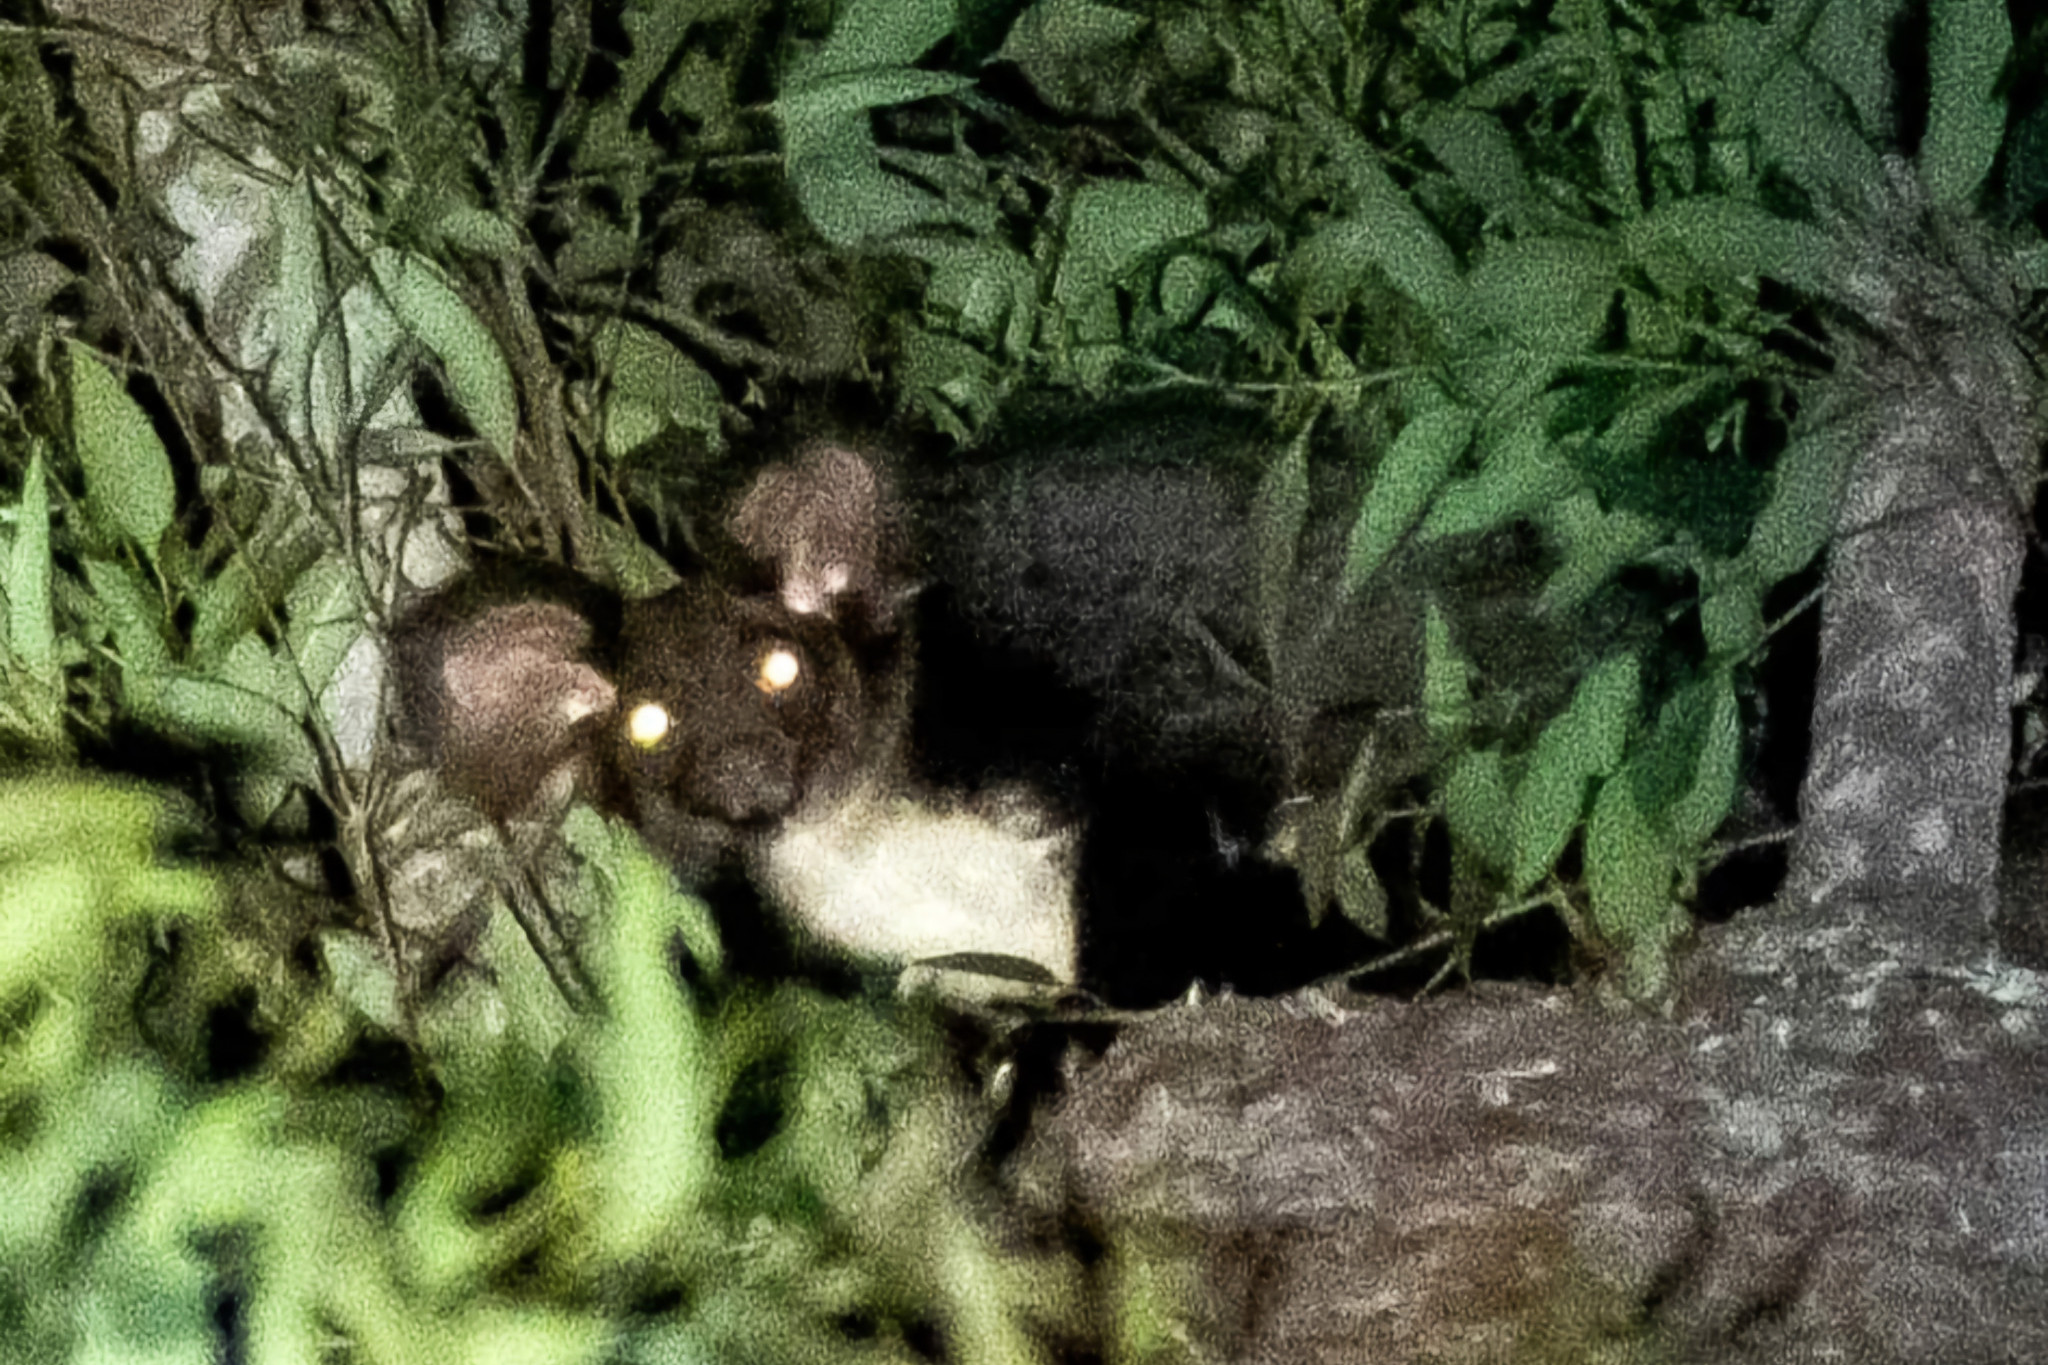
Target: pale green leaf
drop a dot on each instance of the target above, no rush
(127, 471)
(1717, 773)
(434, 315)
(132, 614)
(1482, 158)
(1968, 43)
(1446, 683)
(31, 629)
(1113, 225)
(1410, 474)
(1550, 294)
(1479, 804)
(1628, 870)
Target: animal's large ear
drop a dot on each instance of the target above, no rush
(828, 527)
(507, 695)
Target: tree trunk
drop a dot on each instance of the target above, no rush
(1912, 731)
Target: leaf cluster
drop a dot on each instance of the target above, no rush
(1630, 281)
(675, 1172)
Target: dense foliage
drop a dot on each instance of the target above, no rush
(1626, 277)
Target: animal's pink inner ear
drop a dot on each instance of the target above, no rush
(516, 671)
(819, 524)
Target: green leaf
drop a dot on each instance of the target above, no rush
(984, 290)
(943, 374)
(1848, 42)
(630, 561)
(656, 32)
(1597, 546)
(1278, 513)
(1804, 127)
(1064, 46)
(1616, 137)
(300, 296)
(434, 315)
(1550, 294)
(479, 233)
(867, 34)
(1479, 804)
(1584, 743)
(1186, 284)
(1113, 225)
(229, 606)
(31, 628)
(1382, 224)
(1733, 242)
(1482, 158)
(1602, 710)
(648, 1058)
(1805, 499)
(653, 386)
(1521, 470)
(1732, 615)
(1968, 44)
(1717, 771)
(323, 620)
(132, 615)
(828, 141)
(363, 978)
(245, 718)
(840, 182)
(28, 281)
(1359, 893)
(127, 472)
(1402, 485)
(831, 101)
(1446, 683)
(1628, 870)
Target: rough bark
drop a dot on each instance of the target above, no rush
(1911, 737)
(1911, 733)
(1825, 1155)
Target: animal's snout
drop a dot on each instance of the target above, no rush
(751, 782)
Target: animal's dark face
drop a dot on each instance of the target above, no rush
(708, 715)
(732, 713)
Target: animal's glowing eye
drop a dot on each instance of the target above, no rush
(778, 671)
(647, 725)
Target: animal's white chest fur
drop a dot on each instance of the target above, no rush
(895, 880)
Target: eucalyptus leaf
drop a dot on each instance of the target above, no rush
(1113, 225)
(430, 310)
(132, 612)
(1402, 486)
(127, 471)
(1629, 872)
(1968, 44)
(31, 628)
(1479, 804)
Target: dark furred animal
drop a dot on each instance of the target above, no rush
(928, 722)
(751, 733)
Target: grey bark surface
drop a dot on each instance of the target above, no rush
(1911, 733)
(1825, 1155)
